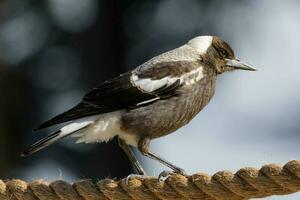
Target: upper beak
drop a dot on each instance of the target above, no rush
(237, 64)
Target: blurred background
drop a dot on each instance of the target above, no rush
(54, 51)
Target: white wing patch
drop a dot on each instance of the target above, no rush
(149, 85)
(193, 76)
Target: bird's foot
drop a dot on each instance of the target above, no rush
(165, 174)
(131, 176)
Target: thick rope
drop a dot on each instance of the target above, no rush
(245, 184)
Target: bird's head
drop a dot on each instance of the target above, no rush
(216, 53)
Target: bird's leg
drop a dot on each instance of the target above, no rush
(131, 157)
(143, 146)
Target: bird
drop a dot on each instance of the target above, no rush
(153, 100)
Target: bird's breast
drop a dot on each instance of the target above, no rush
(167, 115)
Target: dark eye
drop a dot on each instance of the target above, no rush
(223, 53)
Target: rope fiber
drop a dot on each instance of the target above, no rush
(244, 184)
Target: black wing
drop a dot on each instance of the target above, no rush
(118, 93)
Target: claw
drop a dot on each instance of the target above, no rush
(181, 171)
(130, 176)
(165, 174)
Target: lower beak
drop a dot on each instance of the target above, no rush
(237, 64)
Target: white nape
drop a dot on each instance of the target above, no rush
(201, 43)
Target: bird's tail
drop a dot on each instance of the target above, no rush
(56, 136)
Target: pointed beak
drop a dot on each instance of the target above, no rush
(237, 64)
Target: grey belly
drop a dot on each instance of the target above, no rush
(165, 116)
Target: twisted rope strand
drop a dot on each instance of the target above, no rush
(244, 184)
